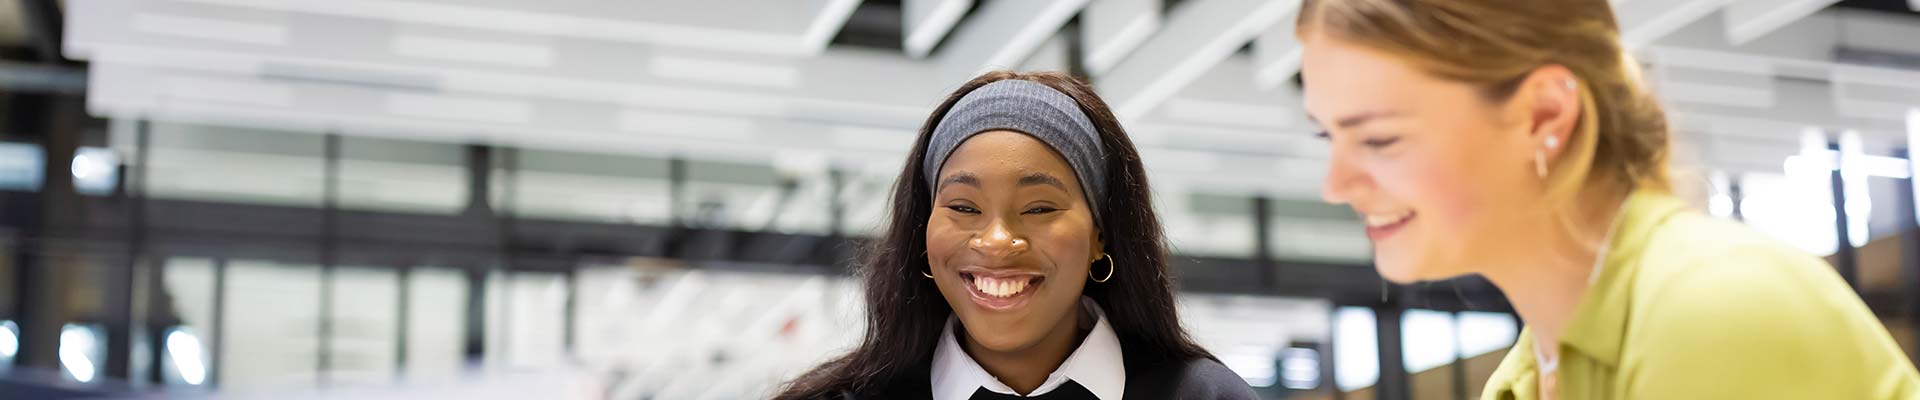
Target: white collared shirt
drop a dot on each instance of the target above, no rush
(1096, 365)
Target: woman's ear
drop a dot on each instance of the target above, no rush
(1554, 93)
(1099, 246)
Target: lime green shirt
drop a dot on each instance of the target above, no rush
(1687, 306)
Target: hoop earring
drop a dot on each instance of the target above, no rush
(1109, 276)
(929, 272)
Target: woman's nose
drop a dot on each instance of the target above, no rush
(998, 241)
(1341, 181)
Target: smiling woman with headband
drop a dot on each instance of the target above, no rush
(1022, 259)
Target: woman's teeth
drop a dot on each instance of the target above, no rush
(1001, 287)
(1379, 220)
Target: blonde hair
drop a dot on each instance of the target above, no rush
(1621, 140)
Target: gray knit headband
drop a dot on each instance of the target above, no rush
(1031, 108)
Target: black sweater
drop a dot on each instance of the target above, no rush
(1199, 379)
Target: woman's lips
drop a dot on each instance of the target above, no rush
(1380, 228)
(1000, 290)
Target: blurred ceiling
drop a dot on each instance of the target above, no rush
(1203, 84)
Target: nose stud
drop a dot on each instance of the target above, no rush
(1015, 242)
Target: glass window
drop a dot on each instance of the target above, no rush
(1484, 340)
(526, 313)
(365, 326)
(1300, 368)
(95, 170)
(584, 187)
(189, 284)
(1428, 351)
(744, 196)
(9, 330)
(1250, 334)
(1207, 224)
(22, 166)
(610, 299)
(1428, 341)
(866, 200)
(219, 164)
(83, 351)
(690, 329)
(436, 323)
(1485, 332)
(402, 176)
(1797, 209)
(9, 344)
(185, 358)
(271, 317)
(1316, 231)
(1356, 348)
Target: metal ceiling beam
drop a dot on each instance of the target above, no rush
(1114, 28)
(1198, 34)
(928, 21)
(1219, 111)
(832, 16)
(1000, 35)
(729, 25)
(19, 77)
(1643, 21)
(1756, 139)
(1754, 97)
(1750, 19)
(1276, 55)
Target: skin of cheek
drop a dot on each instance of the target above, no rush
(1475, 205)
(1066, 249)
(1435, 189)
(1469, 197)
(1069, 251)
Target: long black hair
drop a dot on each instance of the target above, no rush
(905, 311)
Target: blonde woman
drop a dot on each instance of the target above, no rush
(1512, 139)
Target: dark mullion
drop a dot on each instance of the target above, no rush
(329, 243)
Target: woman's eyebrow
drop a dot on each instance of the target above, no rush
(1358, 119)
(1041, 178)
(962, 178)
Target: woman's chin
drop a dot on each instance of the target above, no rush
(1391, 268)
(1000, 339)
(1401, 270)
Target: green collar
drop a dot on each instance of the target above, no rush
(1600, 321)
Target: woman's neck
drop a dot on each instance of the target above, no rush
(1546, 296)
(1548, 280)
(1024, 370)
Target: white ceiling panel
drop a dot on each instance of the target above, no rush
(776, 27)
(729, 79)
